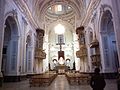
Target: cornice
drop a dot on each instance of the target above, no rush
(52, 16)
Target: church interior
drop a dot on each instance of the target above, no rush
(57, 44)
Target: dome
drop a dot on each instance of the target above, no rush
(59, 9)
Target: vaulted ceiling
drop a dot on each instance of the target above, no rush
(37, 10)
(40, 6)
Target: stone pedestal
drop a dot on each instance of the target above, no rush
(61, 69)
(1, 79)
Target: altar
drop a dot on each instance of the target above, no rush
(61, 69)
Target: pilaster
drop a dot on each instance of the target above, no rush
(2, 7)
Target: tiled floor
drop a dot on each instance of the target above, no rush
(60, 83)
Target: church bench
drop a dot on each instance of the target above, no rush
(77, 78)
(42, 79)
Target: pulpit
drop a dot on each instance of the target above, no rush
(96, 62)
(39, 52)
(82, 53)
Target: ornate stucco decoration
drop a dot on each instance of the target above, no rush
(94, 43)
(76, 4)
(40, 54)
(92, 7)
(82, 53)
(70, 20)
(35, 13)
(25, 10)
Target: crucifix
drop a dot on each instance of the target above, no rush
(60, 44)
(60, 41)
(60, 53)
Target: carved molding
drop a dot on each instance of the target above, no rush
(25, 10)
(96, 60)
(77, 5)
(82, 52)
(102, 8)
(94, 43)
(40, 54)
(93, 5)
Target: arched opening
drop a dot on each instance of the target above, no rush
(110, 55)
(10, 47)
(28, 54)
(61, 41)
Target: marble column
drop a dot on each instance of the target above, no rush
(39, 52)
(116, 18)
(2, 9)
(82, 53)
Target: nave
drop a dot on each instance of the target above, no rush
(60, 83)
(39, 36)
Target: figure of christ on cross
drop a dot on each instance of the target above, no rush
(61, 53)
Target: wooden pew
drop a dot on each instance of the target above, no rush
(78, 78)
(42, 79)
